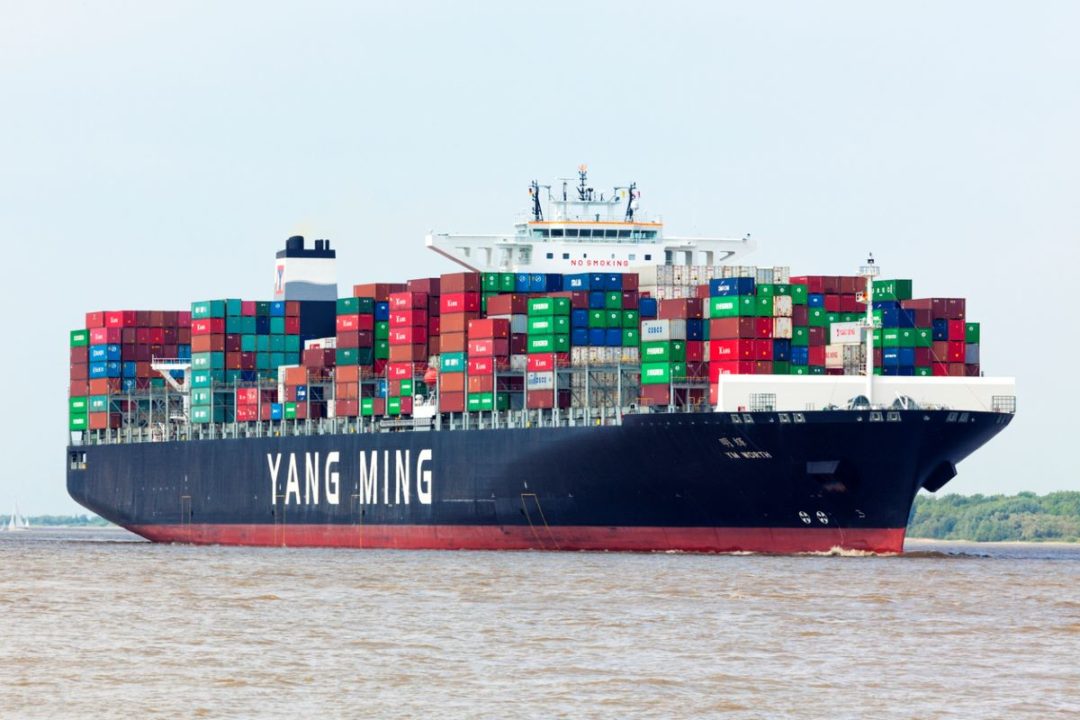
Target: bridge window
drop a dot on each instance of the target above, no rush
(624, 233)
(556, 233)
(611, 233)
(585, 233)
(550, 256)
(566, 256)
(648, 256)
(571, 232)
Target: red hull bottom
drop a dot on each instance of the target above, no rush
(516, 537)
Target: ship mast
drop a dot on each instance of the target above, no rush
(869, 271)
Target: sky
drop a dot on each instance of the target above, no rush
(152, 154)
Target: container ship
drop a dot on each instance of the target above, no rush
(586, 382)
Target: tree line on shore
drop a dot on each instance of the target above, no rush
(987, 518)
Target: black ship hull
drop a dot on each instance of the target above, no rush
(706, 482)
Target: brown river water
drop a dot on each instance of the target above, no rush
(96, 624)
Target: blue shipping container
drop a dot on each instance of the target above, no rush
(579, 319)
(596, 300)
(382, 312)
(277, 308)
(597, 336)
(579, 336)
(815, 300)
(613, 337)
(800, 355)
(728, 287)
(577, 282)
(941, 329)
(695, 329)
(648, 308)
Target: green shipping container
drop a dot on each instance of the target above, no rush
(907, 337)
(656, 352)
(207, 309)
(277, 326)
(346, 356)
(799, 370)
(782, 289)
(549, 325)
(613, 300)
(507, 282)
(597, 319)
(382, 330)
(658, 373)
(892, 290)
(541, 343)
(817, 369)
(234, 307)
(923, 372)
(406, 388)
(924, 337)
(78, 405)
(98, 403)
(79, 338)
(248, 343)
(452, 362)
(613, 319)
(367, 407)
(393, 406)
(200, 378)
(800, 336)
(277, 343)
(733, 306)
(799, 294)
(631, 337)
(489, 282)
(77, 422)
(485, 402)
(971, 332)
(766, 289)
(201, 414)
(763, 306)
(382, 350)
(817, 317)
(890, 337)
(631, 319)
(290, 411)
(202, 396)
(541, 306)
(781, 367)
(262, 343)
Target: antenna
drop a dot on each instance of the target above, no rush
(630, 202)
(583, 172)
(534, 191)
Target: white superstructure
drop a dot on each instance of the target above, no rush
(577, 229)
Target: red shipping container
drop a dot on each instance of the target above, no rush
(433, 326)
(730, 350)
(452, 382)
(347, 373)
(232, 361)
(654, 395)
(849, 285)
(347, 390)
(452, 402)
(729, 367)
(452, 342)
(104, 421)
(800, 315)
(460, 302)
(489, 328)
(695, 351)
(481, 383)
(816, 337)
(247, 413)
(732, 328)
(830, 284)
(629, 300)
(208, 326)
(519, 344)
(406, 406)
(104, 386)
(703, 292)
(142, 335)
(346, 323)
(763, 349)
(296, 375)
(849, 305)
(232, 342)
(348, 340)
(247, 396)
(939, 351)
(425, 285)
(489, 348)
(956, 352)
(956, 369)
(956, 330)
(402, 318)
(630, 281)
(763, 327)
(832, 303)
(456, 322)
(922, 357)
(816, 355)
(579, 300)
(78, 371)
(763, 367)
(972, 370)
(408, 353)
(681, 308)
(104, 336)
(379, 292)
(347, 408)
(462, 282)
(956, 308)
(481, 366)
(923, 318)
(408, 335)
(513, 304)
(545, 399)
(408, 301)
(120, 318)
(399, 370)
(95, 320)
(78, 388)
(540, 362)
(79, 355)
(814, 283)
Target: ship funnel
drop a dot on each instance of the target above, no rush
(305, 274)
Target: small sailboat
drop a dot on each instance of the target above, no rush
(17, 521)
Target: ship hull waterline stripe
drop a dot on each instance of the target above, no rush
(536, 537)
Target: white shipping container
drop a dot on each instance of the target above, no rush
(847, 333)
(834, 356)
(540, 381)
(630, 355)
(663, 330)
(328, 343)
(518, 363)
(518, 323)
(782, 328)
(782, 306)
